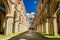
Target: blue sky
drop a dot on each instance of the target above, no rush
(31, 6)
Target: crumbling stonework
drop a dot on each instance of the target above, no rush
(11, 19)
(47, 14)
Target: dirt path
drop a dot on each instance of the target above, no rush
(30, 35)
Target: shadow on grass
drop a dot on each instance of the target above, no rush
(47, 38)
(17, 37)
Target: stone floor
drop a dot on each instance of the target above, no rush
(30, 35)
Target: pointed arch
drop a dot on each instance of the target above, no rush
(6, 6)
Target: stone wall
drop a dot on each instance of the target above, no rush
(47, 17)
(13, 20)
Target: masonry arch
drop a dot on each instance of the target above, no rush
(4, 10)
(58, 17)
(6, 4)
(55, 14)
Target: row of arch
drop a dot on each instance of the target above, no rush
(4, 4)
(11, 19)
(48, 15)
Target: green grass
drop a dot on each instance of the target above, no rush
(5, 37)
(51, 36)
(48, 36)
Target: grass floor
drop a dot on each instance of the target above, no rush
(51, 36)
(5, 37)
(48, 36)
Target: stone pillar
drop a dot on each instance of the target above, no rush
(16, 27)
(55, 27)
(39, 28)
(35, 27)
(16, 22)
(55, 23)
(50, 26)
(42, 28)
(20, 27)
(20, 24)
(8, 26)
(47, 27)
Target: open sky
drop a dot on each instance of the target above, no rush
(30, 6)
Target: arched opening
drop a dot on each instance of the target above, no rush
(3, 12)
(58, 17)
(55, 17)
(2, 16)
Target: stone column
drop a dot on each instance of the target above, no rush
(21, 21)
(19, 24)
(16, 27)
(37, 27)
(55, 27)
(50, 26)
(42, 28)
(47, 27)
(8, 26)
(16, 22)
(20, 27)
(55, 24)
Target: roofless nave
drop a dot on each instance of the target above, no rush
(13, 17)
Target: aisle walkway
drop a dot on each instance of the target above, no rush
(30, 35)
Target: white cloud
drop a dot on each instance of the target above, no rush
(32, 13)
(27, 13)
(35, 1)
